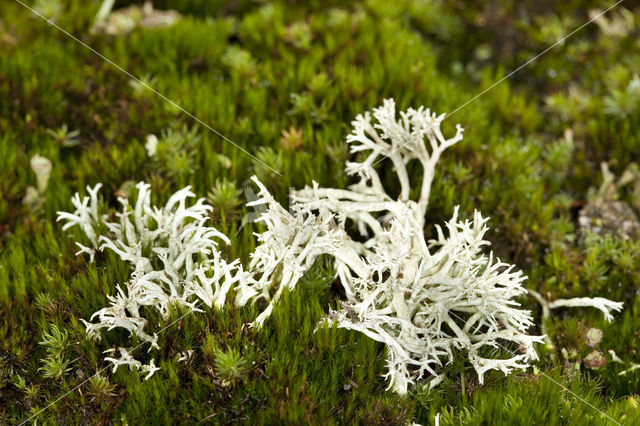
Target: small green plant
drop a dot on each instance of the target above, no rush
(56, 341)
(299, 34)
(141, 86)
(623, 102)
(65, 137)
(274, 159)
(99, 388)
(45, 302)
(225, 197)
(291, 139)
(174, 152)
(50, 9)
(230, 365)
(55, 365)
(18, 381)
(239, 61)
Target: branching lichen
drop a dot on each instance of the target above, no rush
(173, 255)
(288, 248)
(424, 299)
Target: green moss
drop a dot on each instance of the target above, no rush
(251, 70)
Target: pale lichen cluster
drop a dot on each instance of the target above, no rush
(424, 299)
(173, 256)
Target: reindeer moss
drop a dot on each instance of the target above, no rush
(283, 80)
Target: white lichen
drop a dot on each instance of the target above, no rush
(423, 299)
(287, 249)
(34, 197)
(173, 255)
(606, 306)
(133, 364)
(426, 300)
